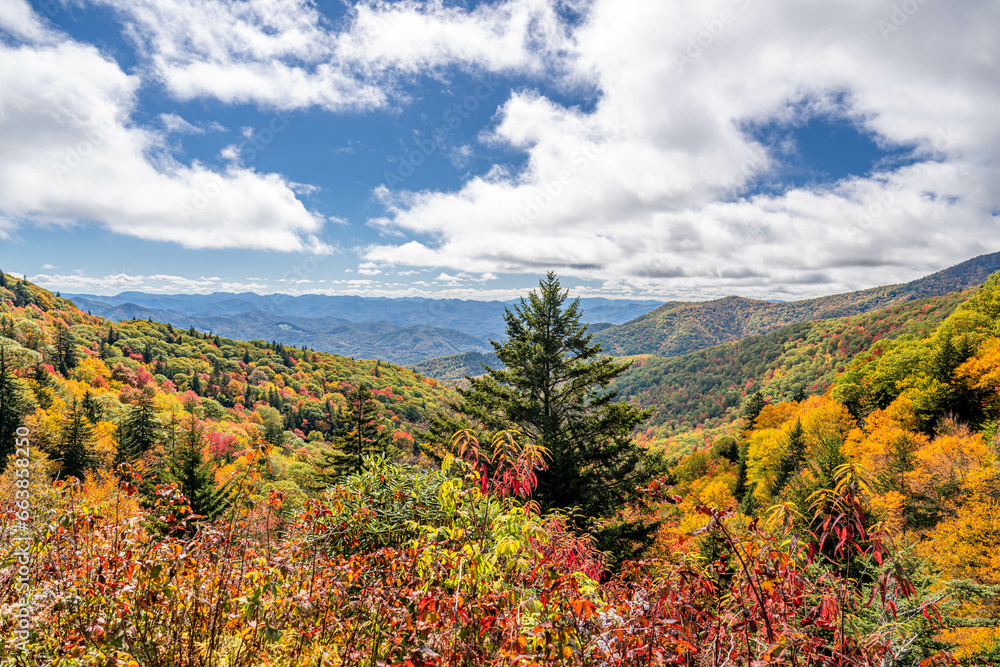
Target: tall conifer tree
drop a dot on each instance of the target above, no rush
(138, 430)
(74, 443)
(552, 389)
(13, 404)
(358, 436)
(188, 466)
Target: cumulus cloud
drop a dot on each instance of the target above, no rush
(71, 154)
(647, 187)
(647, 190)
(115, 283)
(19, 20)
(285, 54)
(171, 122)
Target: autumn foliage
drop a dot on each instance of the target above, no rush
(855, 528)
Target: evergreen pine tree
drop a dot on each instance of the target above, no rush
(752, 408)
(748, 506)
(13, 405)
(552, 391)
(138, 431)
(188, 466)
(75, 439)
(41, 375)
(359, 435)
(91, 408)
(791, 462)
(945, 360)
(739, 492)
(65, 349)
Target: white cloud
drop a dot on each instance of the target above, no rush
(368, 269)
(111, 284)
(460, 156)
(18, 19)
(72, 154)
(230, 153)
(6, 226)
(171, 122)
(449, 280)
(642, 191)
(285, 54)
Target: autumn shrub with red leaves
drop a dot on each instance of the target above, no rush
(401, 566)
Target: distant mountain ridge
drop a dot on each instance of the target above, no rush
(369, 340)
(478, 318)
(402, 331)
(679, 328)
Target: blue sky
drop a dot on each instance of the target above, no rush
(646, 149)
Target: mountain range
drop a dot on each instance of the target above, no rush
(399, 330)
(449, 338)
(678, 328)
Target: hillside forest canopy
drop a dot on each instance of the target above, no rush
(173, 497)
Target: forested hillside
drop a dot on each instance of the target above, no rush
(678, 328)
(707, 388)
(454, 367)
(910, 429)
(63, 365)
(190, 499)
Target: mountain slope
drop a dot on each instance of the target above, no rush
(455, 367)
(708, 387)
(370, 340)
(678, 328)
(239, 392)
